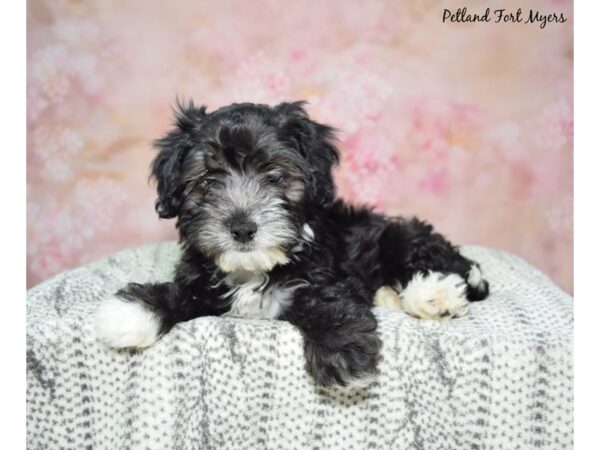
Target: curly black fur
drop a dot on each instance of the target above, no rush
(272, 166)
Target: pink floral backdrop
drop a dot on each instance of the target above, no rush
(467, 125)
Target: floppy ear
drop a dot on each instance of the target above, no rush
(166, 167)
(314, 142)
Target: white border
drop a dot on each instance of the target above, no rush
(12, 237)
(587, 223)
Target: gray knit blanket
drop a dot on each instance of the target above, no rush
(499, 378)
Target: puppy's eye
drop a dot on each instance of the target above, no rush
(275, 178)
(210, 181)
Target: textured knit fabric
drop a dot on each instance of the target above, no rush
(501, 377)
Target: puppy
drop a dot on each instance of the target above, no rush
(264, 237)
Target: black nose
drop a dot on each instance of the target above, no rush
(242, 229)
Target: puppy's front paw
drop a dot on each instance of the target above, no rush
(121, 323)
(348, 361)
(435, 296)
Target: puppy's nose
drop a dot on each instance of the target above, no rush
(242, 229)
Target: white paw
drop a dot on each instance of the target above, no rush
(120, 323)
(435, 296)
(388, 297)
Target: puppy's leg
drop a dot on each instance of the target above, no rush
(433, 279)
(138, 315)
(341, 344)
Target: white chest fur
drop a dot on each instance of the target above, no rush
(251, 297)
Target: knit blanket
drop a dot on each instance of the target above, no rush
(499, 378)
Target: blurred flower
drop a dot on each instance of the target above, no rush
(560, 217)
(259, 79)
(47, 72)
(56, 150)
(355, 96)
(555, 125)
(57, 233)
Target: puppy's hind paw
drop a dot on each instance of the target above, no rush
(387, 297)
(121, 323)
(478, 288)
(435, 296)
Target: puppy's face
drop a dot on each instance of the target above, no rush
(243, 190)
(243, 180)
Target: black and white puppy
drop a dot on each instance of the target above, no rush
(264, 237)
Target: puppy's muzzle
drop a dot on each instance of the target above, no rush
(242, 229)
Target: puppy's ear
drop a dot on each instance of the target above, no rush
(314, 141)
(173, 148)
